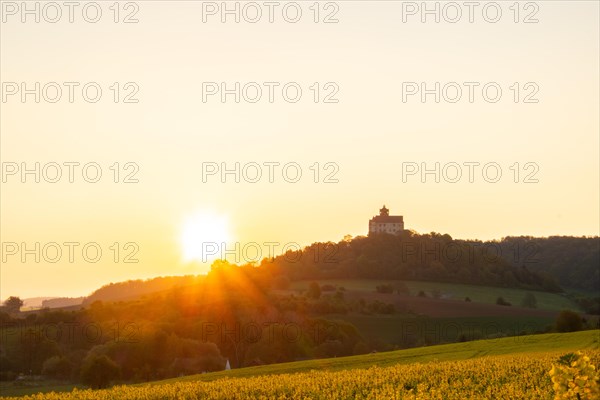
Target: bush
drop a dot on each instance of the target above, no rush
(422, 294)
(98, 371)
(568, 321)
(462, 338)
(501, 302)
(468, 299)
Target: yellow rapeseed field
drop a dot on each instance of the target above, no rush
(523, 376)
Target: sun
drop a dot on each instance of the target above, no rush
(203, 235)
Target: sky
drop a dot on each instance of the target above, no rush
(358, 120)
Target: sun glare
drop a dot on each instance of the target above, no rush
(203, 235)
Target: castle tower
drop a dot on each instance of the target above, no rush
(384, 212)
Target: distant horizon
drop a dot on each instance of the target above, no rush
(204, 273)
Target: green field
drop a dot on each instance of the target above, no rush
(478, 294)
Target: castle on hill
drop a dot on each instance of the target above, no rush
(386, 223)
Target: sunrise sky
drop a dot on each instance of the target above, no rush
(369, 133)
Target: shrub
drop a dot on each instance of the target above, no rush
(568, 321)
(98, 371)
(377, 307)
(501, 302)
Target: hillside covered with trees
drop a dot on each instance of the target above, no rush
(572, 261)
(411, 256)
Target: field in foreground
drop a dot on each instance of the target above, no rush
(500, 368)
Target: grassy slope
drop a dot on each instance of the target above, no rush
(480, 294)
(456, 351)
(554, 342)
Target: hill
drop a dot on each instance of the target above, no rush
(132, 289)
(409, 256)
(61, 302)
(572, 261)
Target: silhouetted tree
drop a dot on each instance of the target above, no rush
(13, 304)
(98, 371)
